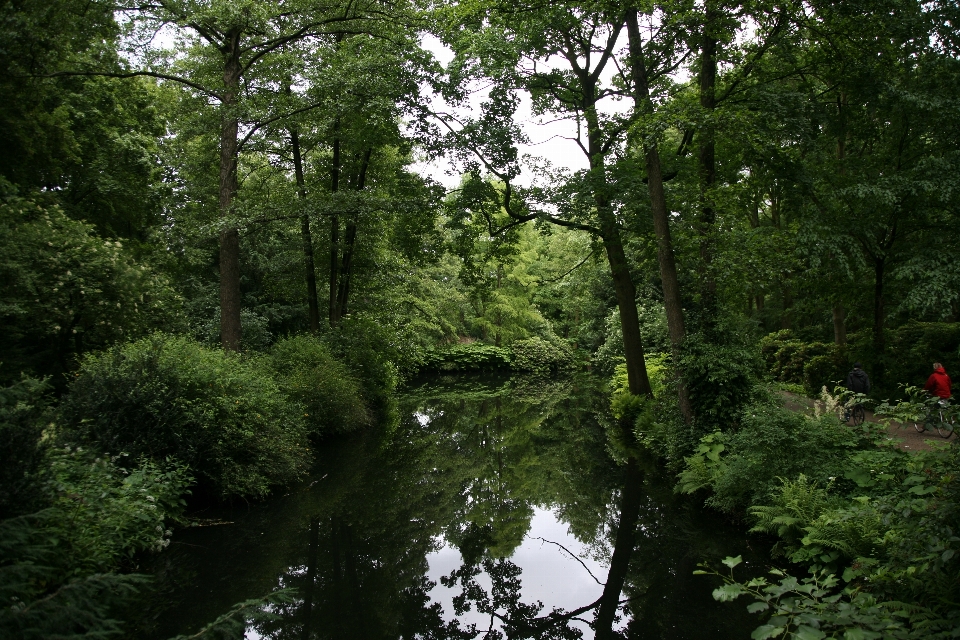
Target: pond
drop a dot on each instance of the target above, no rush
(487, 508)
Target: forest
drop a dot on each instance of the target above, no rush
(234, 233)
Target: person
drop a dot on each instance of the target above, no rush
(857, 380)
(938, 384)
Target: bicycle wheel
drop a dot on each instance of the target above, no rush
(858, 415)
(945, 426)
(918, 426)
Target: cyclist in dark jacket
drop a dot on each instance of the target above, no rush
(857, 380)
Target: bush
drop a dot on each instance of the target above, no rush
(331, 397)
(65, 291)
(826, 371)
(24, 411)
(221, 414)
(539, 356)
(472, 356)
(744, 468)
(56, 565)
(371, 352)
(721, 379)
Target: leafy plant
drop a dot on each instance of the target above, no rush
(331, 397)
(813, 608)
(539, 356)
(24, 412)
(57, 566)
(222, 414)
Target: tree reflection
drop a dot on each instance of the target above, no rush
(466, 467)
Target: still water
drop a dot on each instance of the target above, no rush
(486, 509)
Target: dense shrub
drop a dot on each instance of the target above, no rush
(331, 397)
(911, 349)
(721, 378)
(64, 290)
(539, 356)
(826, 371)
(24, 411)
(221, 414)
(471, 356)
(57, 565)
(880, 541)
(373, 353)
(744, 468)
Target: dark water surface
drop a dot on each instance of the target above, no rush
(507, 491)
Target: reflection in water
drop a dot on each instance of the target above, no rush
(465, 481)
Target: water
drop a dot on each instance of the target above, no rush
(485, 507)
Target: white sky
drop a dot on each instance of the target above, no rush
(549, 138)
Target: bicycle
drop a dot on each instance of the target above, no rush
(856, 413)
(939, 416)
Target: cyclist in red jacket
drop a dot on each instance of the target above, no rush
(938, 383)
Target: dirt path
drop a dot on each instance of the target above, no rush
(906, 436)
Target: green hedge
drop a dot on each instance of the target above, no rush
(221, 414)
(911, 349)
(331, 397)
(467, 357)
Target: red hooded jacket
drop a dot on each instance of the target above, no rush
(938, 383)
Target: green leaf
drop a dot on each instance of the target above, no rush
(728, 592)
(757, 607)
(766, 631)
(947, 555)
(861, 634)
(732, 561)
(809, 633)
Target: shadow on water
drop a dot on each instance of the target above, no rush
(444, 525)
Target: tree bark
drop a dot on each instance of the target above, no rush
(839, 325)
(623, 285)
(708, 167)
(333, 316)
(346, 268)
(622, 551)
(230, 329)
(310, 268)
(658, 207)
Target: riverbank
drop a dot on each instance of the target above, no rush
(906, 437)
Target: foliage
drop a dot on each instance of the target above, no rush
(65, 291)
(469, 356)
(884, 520)
(812, 608)
(24, 412)
(540, 356)
(743, 468)
(221, 414)
(721, 376)
(330, 396)
(374, 354)
(57, 565)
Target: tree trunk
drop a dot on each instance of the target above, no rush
(627, 303)
(879, 341)
(708, 168)
(311, 578)
(346, 268)
(839, 325)
(786, 315)
(622, 550)
(661, 217)
(333, 316)
(230, 329)
(313, 303)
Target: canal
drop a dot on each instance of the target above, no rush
(487, 508)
